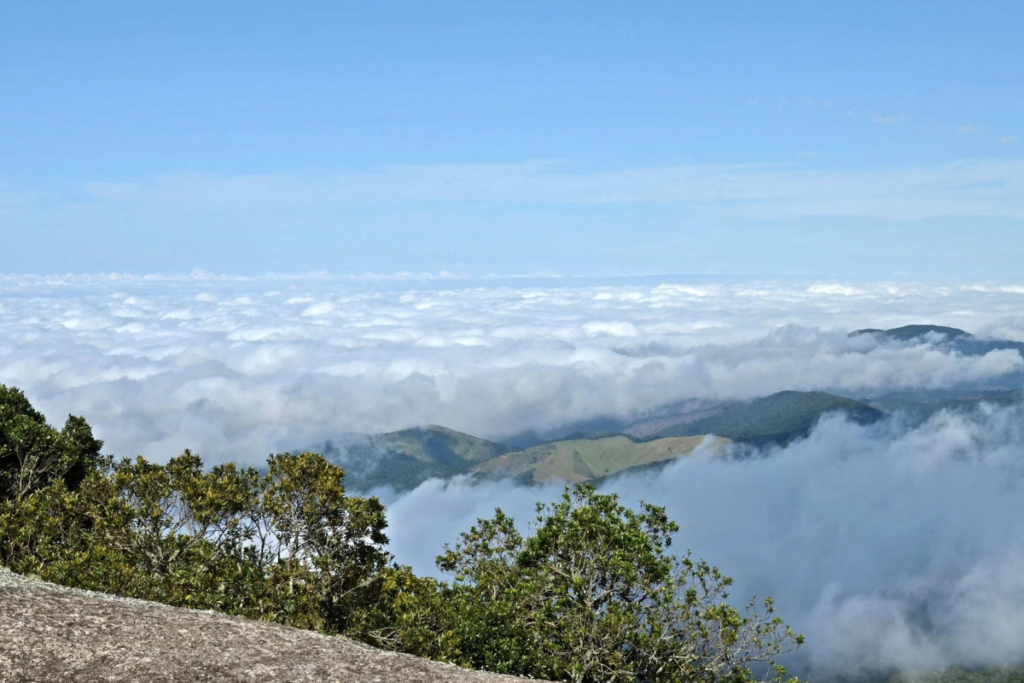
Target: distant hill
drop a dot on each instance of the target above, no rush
(440, 446)
(407, 458)
(582, 459)
(594, 428)
(656, 421)
(951, 337)
(920, 405)
(778, 418)
(641, 426)
(910, 332)
(953, 340)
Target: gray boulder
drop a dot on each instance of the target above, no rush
(52, 633)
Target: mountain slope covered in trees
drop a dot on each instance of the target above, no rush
(406, 458)
(778, 418)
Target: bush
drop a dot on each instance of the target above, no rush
(593, 595)
(287, 546)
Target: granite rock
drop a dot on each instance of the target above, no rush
(53, 633)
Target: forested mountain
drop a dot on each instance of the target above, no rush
(778, 418)
(945, 337)
(911, 332)
(406, 458)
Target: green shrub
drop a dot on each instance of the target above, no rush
(592, 594)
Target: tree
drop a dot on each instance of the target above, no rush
(316, 540)
(289, 545)
(592, 594)
(33, 454)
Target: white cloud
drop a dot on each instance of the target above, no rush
(319, 309)
(833, 288)
(610, 329)
(159, 364)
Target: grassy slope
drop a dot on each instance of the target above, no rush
(581, 459)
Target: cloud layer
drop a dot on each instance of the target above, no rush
(236, 368)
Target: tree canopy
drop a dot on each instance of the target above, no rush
(592, 594)
(33, 454)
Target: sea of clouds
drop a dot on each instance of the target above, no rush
(889, 545)
(236, 368)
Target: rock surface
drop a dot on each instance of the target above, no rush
(52, 633)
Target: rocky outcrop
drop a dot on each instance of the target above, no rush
(51, 633)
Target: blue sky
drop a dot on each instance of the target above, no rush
(859, 139)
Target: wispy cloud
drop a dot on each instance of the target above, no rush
(992, 188)
(889, 118)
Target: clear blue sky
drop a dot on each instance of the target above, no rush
(874, 139)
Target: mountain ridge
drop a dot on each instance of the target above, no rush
(777, 418)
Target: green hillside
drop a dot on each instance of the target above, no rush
(594, 428)
(582, 459)
(407, 458)
(657, 421)
(440, 446)
(910, 332)
(920, 405)
(778, 418)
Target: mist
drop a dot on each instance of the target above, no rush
(890, 546)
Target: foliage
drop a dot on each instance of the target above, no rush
(287, 546)
(593, 595)
(33, 454)
(590, 595)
